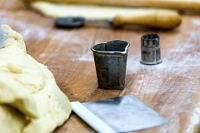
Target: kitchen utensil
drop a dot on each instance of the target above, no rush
(121, 114)
(150, 49)
(110, 60)
(165, 19)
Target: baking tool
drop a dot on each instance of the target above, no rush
(175, 4)
(110, 60)
(121, 114)
(90, 118)
(165, 19)
(150, 49)
(73, 22)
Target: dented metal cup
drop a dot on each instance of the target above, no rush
(110, 61)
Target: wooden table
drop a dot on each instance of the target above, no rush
(172, 88)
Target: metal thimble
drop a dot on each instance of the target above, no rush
(150, 49)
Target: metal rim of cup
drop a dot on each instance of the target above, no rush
(111, 52)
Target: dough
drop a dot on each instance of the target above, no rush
(167, 4)
(30, 100)
(88, 11)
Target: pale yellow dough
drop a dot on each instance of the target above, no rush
(90, 12)
(30, 100)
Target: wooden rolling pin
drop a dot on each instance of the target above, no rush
(172, 4)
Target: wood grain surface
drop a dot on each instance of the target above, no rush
(172, 88)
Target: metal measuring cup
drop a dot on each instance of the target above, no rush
(110, 60)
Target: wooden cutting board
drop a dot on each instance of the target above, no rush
(171, 88)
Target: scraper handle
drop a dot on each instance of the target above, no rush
(157, 19)
(94, 121)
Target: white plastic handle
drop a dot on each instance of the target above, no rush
(90, 118)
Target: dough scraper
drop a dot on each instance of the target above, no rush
(119, 114)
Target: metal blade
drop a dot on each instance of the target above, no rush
(125, 113)
(108, 20)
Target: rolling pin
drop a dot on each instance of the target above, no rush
(172, 4)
